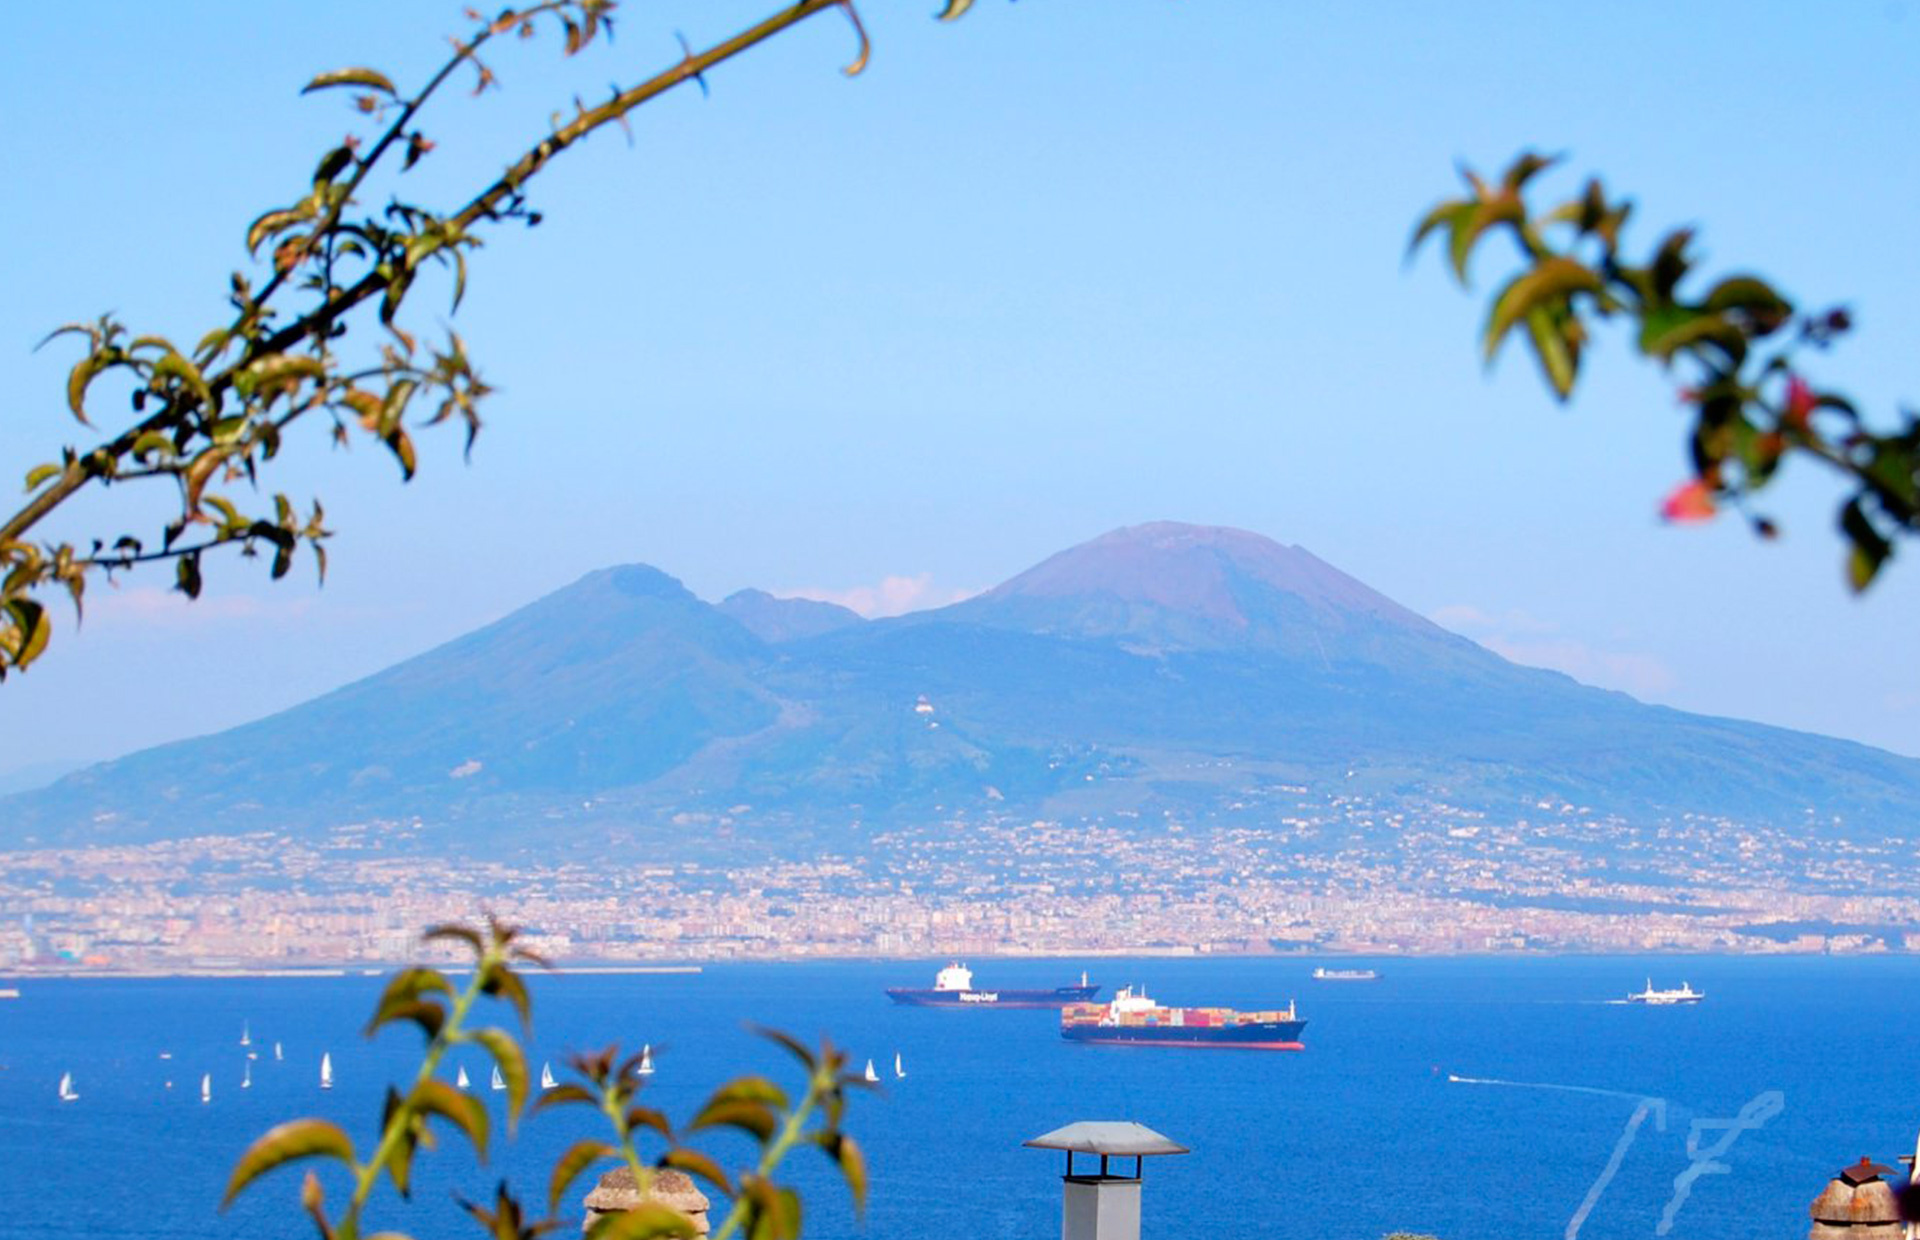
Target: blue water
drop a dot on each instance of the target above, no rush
(1359, 1135)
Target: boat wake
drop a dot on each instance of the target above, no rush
(1453, 1079)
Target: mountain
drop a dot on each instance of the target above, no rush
(1158, 669)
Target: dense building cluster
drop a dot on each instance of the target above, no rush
(1340, 873)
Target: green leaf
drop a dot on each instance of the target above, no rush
(513, 1068)
(78, 378)
(403, 1000)
(1472, 224)
(1670, 329)
(464, 1111)
(955, 10)
(1559, 356)
(1449, 213)
(564, 1095)
(498, 979)
(853, 1167)
(798, 1048)
(186, 575)
(458, 933)
(749, 1117)
(40, 473)
(751, 1089)
(35, 630)
(290, 1142)
(173, 365)
(645, 1221)
(579, 1156)
(1550, 280)
(697, 1163)
(369, 78)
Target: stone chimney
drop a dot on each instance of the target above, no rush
(1857, 1205)
(1103, 1204)
(616, 1194)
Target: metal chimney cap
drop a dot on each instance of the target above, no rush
(1107, 1136)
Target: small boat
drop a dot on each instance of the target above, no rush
(461, 1080)
(899, 1072)
(1346, 975)
(246, 1077)
(546, 1077)
(871, 1074)
(497, 1082)
(1664, 998)
(166, 1054)
(206, 1088)
(246, 1035)
(326, 1070)
(67, 1093)
(276, 1052)
(646, 1060)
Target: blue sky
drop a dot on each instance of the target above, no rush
(1051, 270)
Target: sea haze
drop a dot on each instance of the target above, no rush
(1358, 1135)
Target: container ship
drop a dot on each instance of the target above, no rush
(1346, 975)
(954, 988)
(1132, 1019)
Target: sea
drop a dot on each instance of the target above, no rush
(1463, 1097)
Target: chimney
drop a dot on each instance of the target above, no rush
(1857, 1205)
(1103, 1204)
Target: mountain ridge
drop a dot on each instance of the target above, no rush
(1157, 669)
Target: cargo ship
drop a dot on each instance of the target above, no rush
(1132, 1019)
(954, 988)
(1346, 975)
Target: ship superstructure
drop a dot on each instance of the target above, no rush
(1663, 998)
(954, 987)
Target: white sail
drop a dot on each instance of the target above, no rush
(646, 1060)
(246, 1078)
(326, 1070)
(66, 1088)
(246, 1035)
(497, 1082)
(546, 1076)
(206, 1087)
(461, 1080)
(871, 1074)
(899, 1072)
(276, 1052)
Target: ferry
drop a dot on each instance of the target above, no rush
(953, 987)
(1133, 1019)
(1346, 975)
(1662, 998)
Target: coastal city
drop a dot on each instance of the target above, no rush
(1340, 874)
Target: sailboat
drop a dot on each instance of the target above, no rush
(246, 1035)
(871, 1074)
(67, 1093)
(326, 1070)
(246, 1078)
(276, 1052)
(546, 1076)
(646, 1060)
(497, 1082)
(206, 1088)
(899, 1072)
(461, 1080)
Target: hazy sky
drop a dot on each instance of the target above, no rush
(1051, 270)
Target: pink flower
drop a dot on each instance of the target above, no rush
(1800, 401)
(1689, 502)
